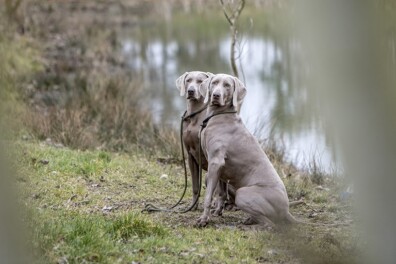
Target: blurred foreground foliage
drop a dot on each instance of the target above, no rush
(19, 62)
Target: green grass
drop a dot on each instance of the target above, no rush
(85, 206)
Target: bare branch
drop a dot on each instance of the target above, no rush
(239, 10)
(232, 57)
(232, 20)
(225, 13)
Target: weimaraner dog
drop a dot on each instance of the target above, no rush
(234, 155)
(188, 85)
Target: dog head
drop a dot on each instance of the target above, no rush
(189, 83)
(223, 89)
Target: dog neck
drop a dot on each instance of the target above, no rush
(215, 109)
(195, 105)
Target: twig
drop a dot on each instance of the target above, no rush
(232, 21)
(225, 13)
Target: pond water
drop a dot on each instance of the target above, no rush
(277, 105)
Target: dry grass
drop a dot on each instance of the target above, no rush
(107, 115)
(86, 97)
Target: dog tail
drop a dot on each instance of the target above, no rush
(291, 220)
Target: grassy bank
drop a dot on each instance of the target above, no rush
(88, 156)
(85, 97)
(86, 206)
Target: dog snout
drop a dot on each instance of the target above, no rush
(190, 92)
(216, 96)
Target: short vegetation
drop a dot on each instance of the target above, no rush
(86, 206)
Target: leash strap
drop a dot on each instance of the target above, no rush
(228, 195)
(152, 208)
(206, 120)
(149, 208)
(184, 117)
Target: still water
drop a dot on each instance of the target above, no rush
(277, 104)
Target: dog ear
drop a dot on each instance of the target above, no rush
(209, 79)
(204, 87)
(181, 83)
(209, 74)
(239, 92)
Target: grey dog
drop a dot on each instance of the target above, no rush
(234, 155)
(188, 85)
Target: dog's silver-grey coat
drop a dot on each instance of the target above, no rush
(234, 155)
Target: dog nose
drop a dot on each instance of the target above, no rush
(190, 92)
(216, 96)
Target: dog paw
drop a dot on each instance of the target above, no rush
(202, 221)
(231, 207)
(217, 212)
(249, 221)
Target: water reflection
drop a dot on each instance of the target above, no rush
(277, 102)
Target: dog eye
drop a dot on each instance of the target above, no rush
(215, 82)
(188, 80)
(199, 81)
(227, 85)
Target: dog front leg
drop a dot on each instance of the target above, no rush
(215, 164)
(194, 169)
(220, 198)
